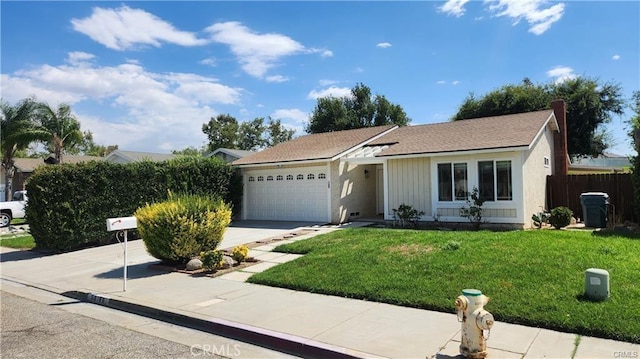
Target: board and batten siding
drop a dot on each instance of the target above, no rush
(408, 182)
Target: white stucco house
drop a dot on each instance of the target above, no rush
(339, 176)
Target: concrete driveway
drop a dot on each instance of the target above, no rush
(241, 232)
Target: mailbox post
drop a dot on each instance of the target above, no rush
(123, 224)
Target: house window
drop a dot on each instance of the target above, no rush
(289, 177)
(546, 161)
(269, 178)
(321, 176)
(260, 178)
(279, 178)
(251, 179)
(452, 181)
(495, 177)
(310, 176)
(300, 177)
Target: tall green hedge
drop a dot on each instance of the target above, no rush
(69, 204)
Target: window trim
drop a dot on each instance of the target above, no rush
(452, 169)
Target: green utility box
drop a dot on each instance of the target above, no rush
(594, 209)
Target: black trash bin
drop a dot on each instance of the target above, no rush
(594, 209)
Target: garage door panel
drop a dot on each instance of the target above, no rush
(301, 197)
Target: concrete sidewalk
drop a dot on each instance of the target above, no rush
(299, 323)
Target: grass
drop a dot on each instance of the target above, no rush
(534, 278)
(19, 241)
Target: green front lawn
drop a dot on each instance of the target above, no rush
(19, 241)
(532, 277)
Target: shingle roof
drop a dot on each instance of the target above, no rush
(26, 165)
(314, 147)
(143, 156)
(465, 135)
(233, 152)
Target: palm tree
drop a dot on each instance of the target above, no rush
(60, 129)
(17, 132)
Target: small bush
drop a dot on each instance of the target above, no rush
(474, 210)
(540, 219)
(212, 260)
(239, 253)
(451, 245)
(407, 214)
(560, 217)
(183, 226)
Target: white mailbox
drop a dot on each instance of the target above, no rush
(121, 223)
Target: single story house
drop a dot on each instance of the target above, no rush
(24, 167)
(229, 154)
(364, 173)
(607, 162)
(119, 156)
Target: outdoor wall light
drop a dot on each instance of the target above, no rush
(366, 173)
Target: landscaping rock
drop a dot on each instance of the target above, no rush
(194, 264)
(228, 262)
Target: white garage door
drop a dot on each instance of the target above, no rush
(297, 194)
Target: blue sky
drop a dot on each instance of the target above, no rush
(147, 75)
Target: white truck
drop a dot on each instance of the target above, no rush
(13, 209)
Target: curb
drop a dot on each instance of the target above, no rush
(282, 342)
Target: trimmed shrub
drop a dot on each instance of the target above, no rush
(212, 260)
(69, 203)
(182, 227)
(560, 217)
(239, 253)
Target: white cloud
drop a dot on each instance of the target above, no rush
(561, 73)
(257, 53)
(277, 78)
(615, 57)
(326, 53)
(455, 82)
(210, 61)
(358, 69)
(292, 114)
(535, 12)
(124, 27)
(144, 109)
(383, 45)
(78, 57)
(454, 7)
(441, 82)
(330, 92)
(325, 82)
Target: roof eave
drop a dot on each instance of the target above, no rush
(362, 144)
(457, 153)
(285, 163)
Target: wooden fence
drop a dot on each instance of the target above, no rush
(565, 191)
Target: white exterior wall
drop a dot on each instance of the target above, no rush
(535, 174)
(503, 212)
(408, 182)
(353, 193)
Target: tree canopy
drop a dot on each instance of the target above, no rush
(358, 110)
(224, 131)
(590, 105)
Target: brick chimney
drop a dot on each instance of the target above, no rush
(560, 148)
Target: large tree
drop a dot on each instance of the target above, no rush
(59, 128)
(89, 147)
(277, 133)
(224, 131)
(590, 105)
(17, 132)
(358, 110)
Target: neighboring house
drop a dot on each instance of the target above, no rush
(229, 155)
(26, 166)
(337, 176)
(119, 156)
(607, 162)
